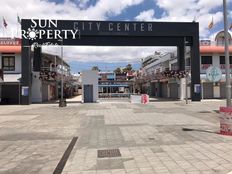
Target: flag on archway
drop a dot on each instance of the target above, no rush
(18, 19)
(4, 22)
(211, 24)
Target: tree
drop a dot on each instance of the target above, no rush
(127, 68)
(95, 68)
(118, 71)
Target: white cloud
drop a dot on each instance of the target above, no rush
(186, 11)
(70, 10)
(146, 15)
(106, 53)
(174, 10)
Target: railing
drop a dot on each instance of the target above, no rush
(205, 66)
(223, 66)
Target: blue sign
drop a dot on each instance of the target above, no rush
(25, 90)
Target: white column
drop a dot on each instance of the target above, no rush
(182, 89)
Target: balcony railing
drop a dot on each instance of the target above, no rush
(205, 66)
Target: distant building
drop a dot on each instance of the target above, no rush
(114, 85)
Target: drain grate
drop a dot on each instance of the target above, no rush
(108, 153)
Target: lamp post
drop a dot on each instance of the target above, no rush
(227, 61)
(62, 101)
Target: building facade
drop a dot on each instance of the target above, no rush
(46, 74)
(10, 67)
(211, 55)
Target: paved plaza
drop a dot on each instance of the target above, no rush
(157, 138)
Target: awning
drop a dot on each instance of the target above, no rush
(213, 49)
(11, 78)
(10, 49)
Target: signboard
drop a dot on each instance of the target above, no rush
(226, 120)
(10, 42)
(205, 42)
(197, 88)
(25, 90)
(213, 74)
(145, 98)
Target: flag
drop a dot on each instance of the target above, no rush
(18, 19)
(210, 24)
(4, 23)
(230, 28)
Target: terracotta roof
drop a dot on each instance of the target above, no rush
(10, 49)
(213, 49)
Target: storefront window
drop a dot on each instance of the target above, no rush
(206, 60)
(222, 60)
(8, 63)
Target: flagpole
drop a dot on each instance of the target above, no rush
(17, 24)
(3, 27)
(227, 61)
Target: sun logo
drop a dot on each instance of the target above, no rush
(32, 34)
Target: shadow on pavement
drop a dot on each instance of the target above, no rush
(199, 130)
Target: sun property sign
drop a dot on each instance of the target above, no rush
(48, 29)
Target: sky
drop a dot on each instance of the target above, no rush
(123, 10)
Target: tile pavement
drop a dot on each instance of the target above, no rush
(150, 138)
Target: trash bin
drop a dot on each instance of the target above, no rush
(226, 121)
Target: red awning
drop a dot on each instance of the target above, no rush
(10, 49)
(213, 49)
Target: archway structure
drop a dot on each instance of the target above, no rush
(39, 32)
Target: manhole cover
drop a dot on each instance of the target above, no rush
(151, 139)
(108, 153)
(204, 112)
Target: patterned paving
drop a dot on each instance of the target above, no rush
(151, 138)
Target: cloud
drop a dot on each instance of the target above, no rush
(146, 15)
(186, 11)
(106, 53)
(178, 10)
(72, 9)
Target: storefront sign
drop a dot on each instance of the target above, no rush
(10, 42)
(213, 74)
(205, 42)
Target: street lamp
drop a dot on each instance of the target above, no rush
(227, 61)
(62, 101)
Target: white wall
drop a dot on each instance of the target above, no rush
(36, 89)
(90, 78)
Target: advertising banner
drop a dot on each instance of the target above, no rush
(226, 120)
